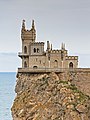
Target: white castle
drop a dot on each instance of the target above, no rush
(34, 57)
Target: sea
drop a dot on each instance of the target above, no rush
(7, 94)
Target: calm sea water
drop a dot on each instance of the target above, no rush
(7, 94)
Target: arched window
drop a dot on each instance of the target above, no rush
(25, 49)
(37, 50)
(25, 64)
(70, 65)
(56, 64)
(35, 67)
(34, 50)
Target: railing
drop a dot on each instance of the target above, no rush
(22, 54)
(42, 70)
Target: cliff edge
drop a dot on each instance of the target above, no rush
(52, 96)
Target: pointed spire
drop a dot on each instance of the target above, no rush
(23, 24)
(63, 46)
(51, 46)
(33, 31)
(33, 26)
(48, 45)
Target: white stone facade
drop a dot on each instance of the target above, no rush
(33, 55)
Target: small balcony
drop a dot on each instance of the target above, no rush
(20, 54)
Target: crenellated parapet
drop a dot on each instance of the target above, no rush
(71, 57)
(28, 34)
(37, 43)
(58, 51)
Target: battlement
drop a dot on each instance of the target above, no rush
(71, 57)
(28, 34)
(37, 43)
(58, 51)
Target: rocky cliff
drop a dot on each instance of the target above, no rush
(51, 96)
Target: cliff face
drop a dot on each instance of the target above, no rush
(52, 96)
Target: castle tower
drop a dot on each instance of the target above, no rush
(27, 37)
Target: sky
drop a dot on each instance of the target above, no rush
(58, 21)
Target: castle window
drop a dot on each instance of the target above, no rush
(70, 65)
(25, 64)
(35, 67)
(25, 49)
(34, 50)
(55, 63)
(37, 50)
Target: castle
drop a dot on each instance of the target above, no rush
(34, 57)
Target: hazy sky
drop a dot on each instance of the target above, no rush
(59, 21)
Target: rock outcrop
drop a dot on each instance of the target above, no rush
(50, 96)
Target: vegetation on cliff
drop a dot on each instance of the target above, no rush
(46, 97)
